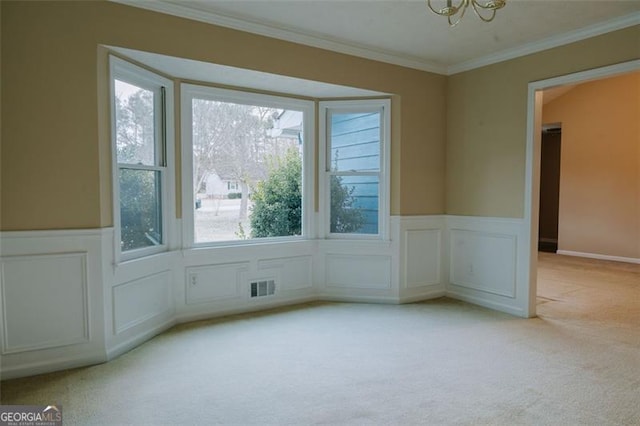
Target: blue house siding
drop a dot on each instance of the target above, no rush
(355, 147)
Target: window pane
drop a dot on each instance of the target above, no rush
(140, 209)
(135, 137)
(354, 204)
(355, 142)
(247, 171)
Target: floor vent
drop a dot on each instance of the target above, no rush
(263, 288)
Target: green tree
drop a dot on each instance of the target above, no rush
(140, 220)
(140, 214)
(277, 202)
(344, 217)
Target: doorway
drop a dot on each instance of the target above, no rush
(550, 153)
(534, 159)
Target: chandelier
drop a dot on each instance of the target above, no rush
(485, 10)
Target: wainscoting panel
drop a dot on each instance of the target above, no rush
(141, 300)
(422, 260)
(486, 262)
(293, 273)
(483, 261)
(45, 301)
(216, 282)
(355, 271)
(422, 265)
(52, 309)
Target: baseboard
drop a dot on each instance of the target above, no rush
(599, 256)
(389, 300)
(428, 295)
(496, 306)
(47, 366)
(245, 309)
(136, 341)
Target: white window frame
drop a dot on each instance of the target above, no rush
(355, 106)
(164, 126)
(191, 91)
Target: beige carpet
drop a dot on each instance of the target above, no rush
(440, 362)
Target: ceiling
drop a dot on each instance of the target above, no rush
(405, 32)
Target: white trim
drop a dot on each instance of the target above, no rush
(364, 105)
(386, 56)
(190, 91)
(548, 43)
(290, 35)
(49, 364)
(599, 256)
(487, 303)
(532, 159)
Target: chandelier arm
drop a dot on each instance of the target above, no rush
(442, 12)
(484, 9)
(489, 5)
(477, 11)
(462, 12)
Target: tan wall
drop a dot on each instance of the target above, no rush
(53, 123)
(486, 121)
(600, 166)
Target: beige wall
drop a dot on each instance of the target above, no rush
(600, 166)
(486, 121)
(53, 136)
(53, 122)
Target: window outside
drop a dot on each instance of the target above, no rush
(139, 159)
(354, 172)
(247, 171)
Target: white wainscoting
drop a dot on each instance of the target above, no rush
(483, 261)
(65, 303)
(358, 271)
(423, 272)
(140, 300)
(487, 263)
(293, 273)
(57, 315)
(216, 281)
(52, 301)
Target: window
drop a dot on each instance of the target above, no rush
(141, 151)
(247, 160)
(355, 183)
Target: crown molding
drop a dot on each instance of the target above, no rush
(549, 43)
(287, 34)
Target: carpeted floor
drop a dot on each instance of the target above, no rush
(439, 362)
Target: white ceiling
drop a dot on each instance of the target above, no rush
(405, 32)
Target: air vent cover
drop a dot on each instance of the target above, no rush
(262, 288)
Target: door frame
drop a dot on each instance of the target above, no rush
(533, 153)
